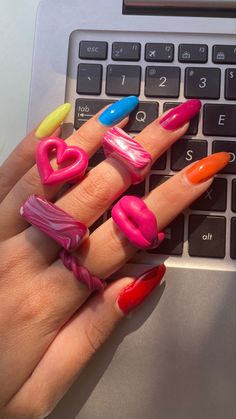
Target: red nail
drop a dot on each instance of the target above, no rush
(180, 115)
(136, 292)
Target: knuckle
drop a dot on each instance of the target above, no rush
(117, 240)
(96, 190)
(31, 180)
(95, 336)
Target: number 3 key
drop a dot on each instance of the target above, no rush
(202, 83)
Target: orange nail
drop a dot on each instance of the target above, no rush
(204, 169)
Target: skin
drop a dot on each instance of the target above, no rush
(57, 336)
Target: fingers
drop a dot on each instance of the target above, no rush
(89, 137)
(166, 202)
(88, 200)
(79, 339)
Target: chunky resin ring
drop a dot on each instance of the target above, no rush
(64, 154)
(137, 222)
(121, 146)
(54, 222)
(81, 273)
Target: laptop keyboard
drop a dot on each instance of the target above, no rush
(102, 69)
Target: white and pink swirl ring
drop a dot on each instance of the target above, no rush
(118, 144)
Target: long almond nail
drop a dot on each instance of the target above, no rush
(136, 292)
(180, 115)
(204, 169)
(53, 121)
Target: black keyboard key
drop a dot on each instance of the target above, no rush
(193, 53)
(207, 236)
(136, 190)
(230, 83)
(123, 80)
(193, 127)
(162, 81)
(157, 180)
(93, 50)
(233, 239)
(144, 114)
(97, 158)
(160, 163)
(159, 52)
(126, 51)
(202, 83)
(184, 152)
(89, 79)
(214, 199)
(219, 120)
(233, 206)
(86, 108)
(174, 239)
(230, 147)
(224, 54)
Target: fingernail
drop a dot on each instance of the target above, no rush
(204, 169)
(53, 121)
(118, 110)
(180, 115)
(135, 293)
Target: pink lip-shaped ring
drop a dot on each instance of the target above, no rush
(137, 222)
(121, 146)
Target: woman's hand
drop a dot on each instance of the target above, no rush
(50, 324)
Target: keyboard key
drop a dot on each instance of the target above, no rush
(157, 180)
(233, 239)
(173, 243)
(97, 158)
(93, 50)
(159, 52)
(160, 163)
(214, 199)
(126, 51)
(193, 127)
(207, 236)
(202, 83)
(219, 120)
(144, 114)
(123, 80)
(185, 152)
(137, 190)
(233, 206)
(86, 108)
(230, 84)
(162, 81)
(193, 53)
(89, 79)
(230, 147)
(224, 54)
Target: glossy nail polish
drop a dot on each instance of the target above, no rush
(118, 110)
(53, 121)
(180, 115)
(204, 169)
(135, 293)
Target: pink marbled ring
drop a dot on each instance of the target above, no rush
(137, 222)
(81, 273)
(121, 146)
(54, 222)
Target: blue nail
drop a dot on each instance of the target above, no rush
(118, 110)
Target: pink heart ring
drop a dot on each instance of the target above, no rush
(64, 153)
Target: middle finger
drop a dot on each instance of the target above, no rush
(103, 184)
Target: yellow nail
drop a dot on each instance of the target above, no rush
(53, 121)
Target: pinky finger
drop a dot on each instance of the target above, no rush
(22, 157)
(79, 340)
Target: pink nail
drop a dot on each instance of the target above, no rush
(180, 115)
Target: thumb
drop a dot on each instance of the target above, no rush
(79, 339)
